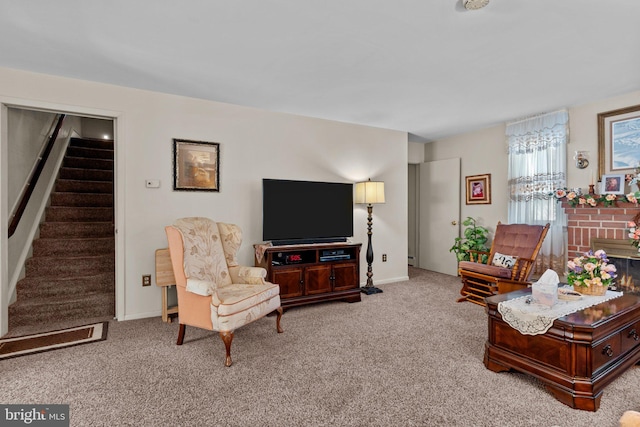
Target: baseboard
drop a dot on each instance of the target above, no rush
(145, 315)
(386, 281)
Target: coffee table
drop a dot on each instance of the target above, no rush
(578, 356)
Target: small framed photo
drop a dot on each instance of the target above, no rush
(196, 165)
(612, 184)
(478, 189)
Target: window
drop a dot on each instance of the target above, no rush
(537, 166)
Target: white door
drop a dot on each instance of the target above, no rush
(439, 218)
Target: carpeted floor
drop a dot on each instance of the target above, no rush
(408, 357)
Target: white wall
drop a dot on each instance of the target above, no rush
(484, 151)
(416, 152)
(480, 152)
(583, 129)
(255, 144)
(29, 130)
(97, 128)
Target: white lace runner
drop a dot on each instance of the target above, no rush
(534, 319)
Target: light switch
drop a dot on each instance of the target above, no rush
(152, 183)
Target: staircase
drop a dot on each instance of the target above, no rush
(71, 275)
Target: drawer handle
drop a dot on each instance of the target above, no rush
(608, 350)
(634, 334)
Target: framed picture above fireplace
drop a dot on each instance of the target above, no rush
(619, 140)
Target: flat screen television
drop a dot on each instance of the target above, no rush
(301, 212)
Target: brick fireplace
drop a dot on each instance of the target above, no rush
(586, 223)
(606, 228)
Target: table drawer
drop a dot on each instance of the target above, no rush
(630, 337)
(607, 351)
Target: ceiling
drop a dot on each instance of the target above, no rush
(428, 67)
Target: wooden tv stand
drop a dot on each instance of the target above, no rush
(314, 273)
(576, 358)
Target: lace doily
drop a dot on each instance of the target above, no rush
(534, 319)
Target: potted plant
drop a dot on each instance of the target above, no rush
(475, 238)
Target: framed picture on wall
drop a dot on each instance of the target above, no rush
(478, 189)
(196, 165)
(619, 140)
(612, 184)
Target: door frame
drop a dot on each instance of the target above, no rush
(119, 200)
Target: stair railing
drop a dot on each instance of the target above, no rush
(14, 220)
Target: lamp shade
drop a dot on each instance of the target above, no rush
(369, 192)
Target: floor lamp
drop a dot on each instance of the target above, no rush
(369, 192)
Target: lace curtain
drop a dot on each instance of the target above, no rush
(537, 165)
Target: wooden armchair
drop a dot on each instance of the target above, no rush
(508, 266)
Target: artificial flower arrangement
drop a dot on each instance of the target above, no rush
(591, 271)
(632, 178)
(608, 200)
(634, 234)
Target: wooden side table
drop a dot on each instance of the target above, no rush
(165, 279)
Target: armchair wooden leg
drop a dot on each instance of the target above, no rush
(181, 334)
(278, 327)
(227, 337)
(462, 292)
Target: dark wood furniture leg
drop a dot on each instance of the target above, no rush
(278, 327)
(181, 333)
(227, 337)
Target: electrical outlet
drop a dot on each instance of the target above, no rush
(146, 280)
(384, 257)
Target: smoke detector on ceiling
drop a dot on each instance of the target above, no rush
(474, 4)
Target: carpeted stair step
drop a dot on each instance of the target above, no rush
(82, 163)
(46, 288)
(73, 247)
(82, 199)
(68, 266)
(76, 229)
(67, 307)
(79, 174)
(70, 214)
(105, 144)
(89, 153)
(71, 274)
(83, 186)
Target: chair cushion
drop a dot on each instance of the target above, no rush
(235, 298)
(490, 270)
(234, 321)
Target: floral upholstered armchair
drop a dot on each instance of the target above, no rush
(214, 291)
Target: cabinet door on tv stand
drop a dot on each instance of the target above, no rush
(317, 279)
(345, 276)
(290, 282)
